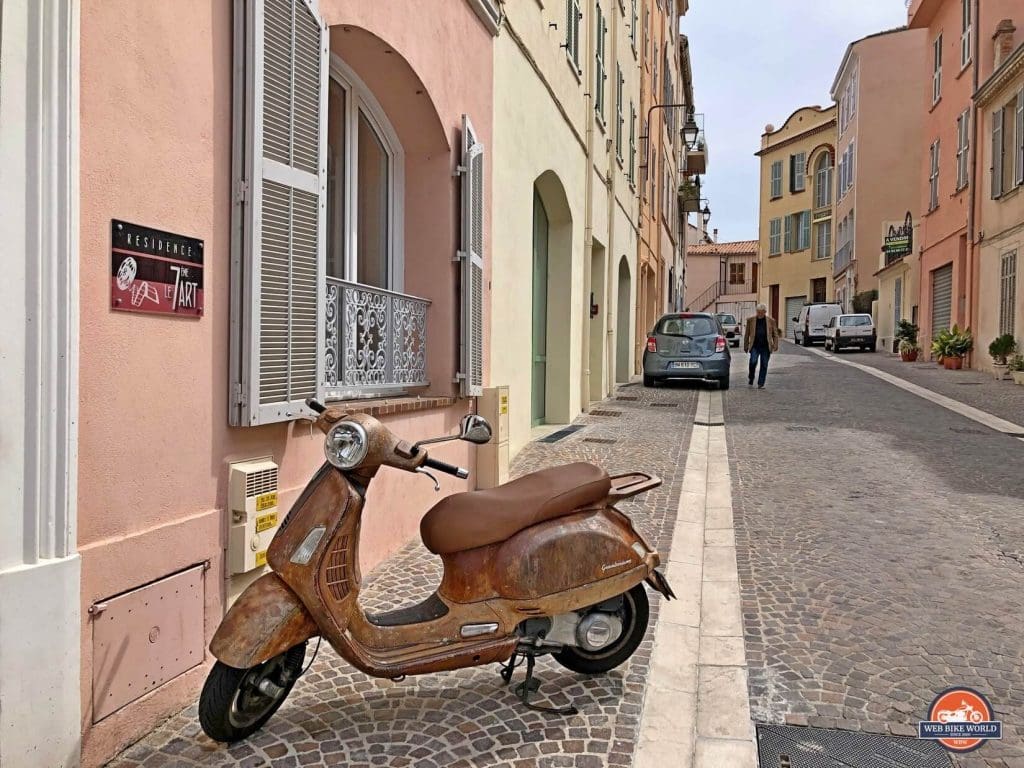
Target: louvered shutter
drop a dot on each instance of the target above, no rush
(788, 223)
(278, 272)
(997, 153)
(471, 257)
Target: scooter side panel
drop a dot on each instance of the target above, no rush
(267, 619)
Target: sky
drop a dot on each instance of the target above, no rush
(756, 62)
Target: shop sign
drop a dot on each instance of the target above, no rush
(155, 271)
(899, 240)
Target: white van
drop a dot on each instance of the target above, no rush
(810, 325)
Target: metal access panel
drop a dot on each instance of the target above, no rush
(143, 638)
(784, 746)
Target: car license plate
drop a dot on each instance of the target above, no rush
(686, 366)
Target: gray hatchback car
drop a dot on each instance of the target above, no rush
(691, 345)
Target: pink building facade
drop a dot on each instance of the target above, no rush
(725, 276)
(315, 176)
(960, 57)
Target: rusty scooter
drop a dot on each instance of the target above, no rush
(544, 564)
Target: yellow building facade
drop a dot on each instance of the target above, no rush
(796, 229)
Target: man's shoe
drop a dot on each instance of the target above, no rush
(750, 382)
(760, 386)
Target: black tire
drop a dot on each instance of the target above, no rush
(806, 340)
(636, 614)
(836, 346)
(225, 716)
(723, 383)
(649, 381)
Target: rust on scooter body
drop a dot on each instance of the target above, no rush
(543, 564)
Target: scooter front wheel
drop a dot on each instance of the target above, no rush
(235, 703)
(634, 615)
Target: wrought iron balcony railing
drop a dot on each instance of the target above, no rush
(376, 341)
(843, 258)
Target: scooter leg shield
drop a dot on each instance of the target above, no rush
(267, 619)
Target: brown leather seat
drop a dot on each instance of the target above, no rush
(468, 520)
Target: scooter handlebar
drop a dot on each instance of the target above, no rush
(443, 466)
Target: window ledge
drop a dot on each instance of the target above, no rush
(930, 211)
(1012, 192)
(573, 68)
(935, 105)
(394, 405)
(600, 122)
(964, 69)
(959, 192)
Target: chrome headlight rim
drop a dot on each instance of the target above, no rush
(360, 438)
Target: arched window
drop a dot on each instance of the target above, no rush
(365, 185)
(823, 180)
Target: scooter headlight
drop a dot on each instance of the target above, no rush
(346, 445)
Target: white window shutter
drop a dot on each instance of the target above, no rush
(472, 262)
(280, 164)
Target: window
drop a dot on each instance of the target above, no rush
(364, 186)
(618, 112)
(737, 273)
(632, 143)
(632, 26)
(818, 286)
(797, 172)
(804, 230)
(776, 179)
(962, 144)
(845, 172)
(1007, 292)
(599, 74)
(937, 69)
(1018, 142)
(848, 103)
(788, 234)
(998, 151)
(572, 32)
(686, 326)
(823, 240)
(855, 321)
(933, 177)
(823, 181)
(965, 35)
(775, 237)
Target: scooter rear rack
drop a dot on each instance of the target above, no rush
(531, 685)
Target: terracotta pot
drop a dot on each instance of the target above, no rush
(953, 363)
(909, 357)
(1018, 377)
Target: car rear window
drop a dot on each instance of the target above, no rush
(685, 326)
(727, 319)
(855, 320)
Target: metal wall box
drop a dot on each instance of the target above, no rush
(252, 496)
(143, 638)
(492, 458)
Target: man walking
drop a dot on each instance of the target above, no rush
(760, 340)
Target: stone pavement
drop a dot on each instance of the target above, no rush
(975, 388)
(880, 553)
(337, 716)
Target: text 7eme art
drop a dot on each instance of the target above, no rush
(155, 271)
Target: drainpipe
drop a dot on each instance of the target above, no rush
(972, 260)
(590, 72)
(610, 254)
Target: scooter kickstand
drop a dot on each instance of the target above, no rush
(530, 686)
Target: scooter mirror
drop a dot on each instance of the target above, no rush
(475, 429)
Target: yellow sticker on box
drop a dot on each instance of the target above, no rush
(261, 558)
(504, 404)
(266, 501)
(266, 522)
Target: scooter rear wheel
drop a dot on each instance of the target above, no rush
(635, 614)
(235, 703)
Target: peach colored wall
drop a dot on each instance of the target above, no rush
(887, 129)
(154, 442)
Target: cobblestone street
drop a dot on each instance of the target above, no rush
(337, 716)
(880, 552)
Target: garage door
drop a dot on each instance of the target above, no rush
(942, 298)
(793, 306)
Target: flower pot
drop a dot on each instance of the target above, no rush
(1000, 371)
(1018, 377)
(953, 363)
(909, 357)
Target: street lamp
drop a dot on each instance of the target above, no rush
(690, 131)
(706, 213)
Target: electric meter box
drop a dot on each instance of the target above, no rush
(492, 458)
(252, 502)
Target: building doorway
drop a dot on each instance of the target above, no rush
(597, 320)
(539, 382)
(622, 334)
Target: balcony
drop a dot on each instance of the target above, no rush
(844, 257)
(689, 196)
(376, 341)
(697, 158)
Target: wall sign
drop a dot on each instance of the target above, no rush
(899, 240)
(154, 271)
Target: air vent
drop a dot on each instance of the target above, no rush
(599, 412)
(336, 575)
(784, 746)
(664, 405)
(561, 434)
(601, 440)
(260, 482)
(632, 398)
(798, 428)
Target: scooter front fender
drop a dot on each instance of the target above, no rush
(267, 619)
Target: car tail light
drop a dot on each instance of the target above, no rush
(652, 344)
(720, 344)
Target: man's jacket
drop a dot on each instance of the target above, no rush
(773, 333)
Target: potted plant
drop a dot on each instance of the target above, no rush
(1017, 369)
(906, 336)
(958, 345)
(940, 345)
(1001, 348)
